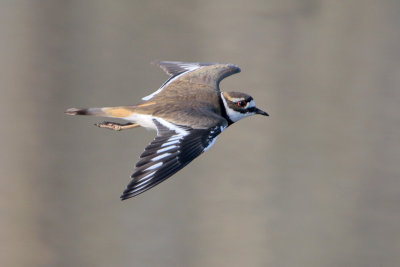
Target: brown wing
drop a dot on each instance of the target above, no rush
(210, 74)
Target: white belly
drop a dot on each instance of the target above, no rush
(145, 121)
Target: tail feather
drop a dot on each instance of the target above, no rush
(86, 111)
(110, 112)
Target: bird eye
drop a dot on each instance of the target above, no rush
(242, 103)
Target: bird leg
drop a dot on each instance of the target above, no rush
(116, 126)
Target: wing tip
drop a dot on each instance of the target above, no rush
(125, 196)
(156, 62)
(134, 191)
(236, 67)
(130, 193)
(200, 63)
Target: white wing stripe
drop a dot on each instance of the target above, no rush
(161, 156)
(165, 149)
(175, 138)
(153, 94)
(143, 183)
(147, 176)
(180, 132)
(171, 143)
(155, 166)
(210, 144)
(188, 67)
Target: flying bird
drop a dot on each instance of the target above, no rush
(188, 112)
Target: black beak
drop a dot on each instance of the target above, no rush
(261, 112)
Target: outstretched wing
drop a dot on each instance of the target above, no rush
(174, 68)
(210, 74)
(173, 148)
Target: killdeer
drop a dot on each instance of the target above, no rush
(188, 112)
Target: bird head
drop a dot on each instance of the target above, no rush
(240, 105)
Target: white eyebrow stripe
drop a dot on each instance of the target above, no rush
(232, 114)
(237, 99)
(248, 104)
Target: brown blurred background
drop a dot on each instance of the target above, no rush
(315, 184)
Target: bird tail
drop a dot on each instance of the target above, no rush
(86, 111)
(110, 112)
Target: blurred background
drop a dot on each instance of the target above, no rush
(315, 184)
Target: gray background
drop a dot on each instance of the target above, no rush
(315, 184)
